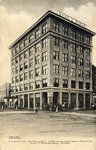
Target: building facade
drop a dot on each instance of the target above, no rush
(52, 63)
(94, 82)
(5, 91)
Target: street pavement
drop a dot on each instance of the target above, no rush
(77, 113)
(25, 127)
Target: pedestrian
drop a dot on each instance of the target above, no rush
(57, 108)
(36, 109)
(63, 106)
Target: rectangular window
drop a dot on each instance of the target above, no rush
(87, 63)
(73, 59)
(87, 39)
(21, 87)
(31, 85)
(55, 55)
(26, 86)
(80, 48)
(44, 43)
(21, 57)
(13, 89)
(80, 61)
(65, 83)
(31, 51)
(26, 65)
(31, 38)
(73, 47)
(13, 80)
(44, 69)
(17, 88)
(17, 79)
(65, 30)
(80, 73)
(21, 45)
(44, 82)
(26, 42)
(73, 84)
(44, 56)
(31, 63)
(31, 74)
(16, 60)
(88, 51)
(44, 28)
(17, 69)
(72, 34)
(37, 72)
(65, 44)
(37, 84)
(87, 74)
(80, 85)
(37, 47)
(26, 76)
(87, 85)
(21, 67)
(21, 77)
(65, 70)
(56, 27)
(56, 41)
(80, 37)
(56, 68)
(56, 82)
(26, 54)
(37, 60)
(16, 49)
(37, 34)
(65, 57)
(73, 72)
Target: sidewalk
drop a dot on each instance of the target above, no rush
(44, 112)
(82, 114)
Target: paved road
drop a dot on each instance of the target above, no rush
(32, 112)
(48, 123)
(26, 126)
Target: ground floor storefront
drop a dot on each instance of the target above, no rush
(51, 97)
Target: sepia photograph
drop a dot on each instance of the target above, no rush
(47, 74)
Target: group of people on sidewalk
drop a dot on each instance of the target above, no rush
(55, 107)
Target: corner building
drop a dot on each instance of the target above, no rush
(51, 63)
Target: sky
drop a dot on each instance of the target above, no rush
(16, 16)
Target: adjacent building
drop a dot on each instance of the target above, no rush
(5, 91)
(52, 63)
(94, 82)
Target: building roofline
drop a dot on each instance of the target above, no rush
(49, 12)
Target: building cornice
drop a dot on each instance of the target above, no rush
(50, 13)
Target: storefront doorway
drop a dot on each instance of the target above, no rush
(55, 98)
